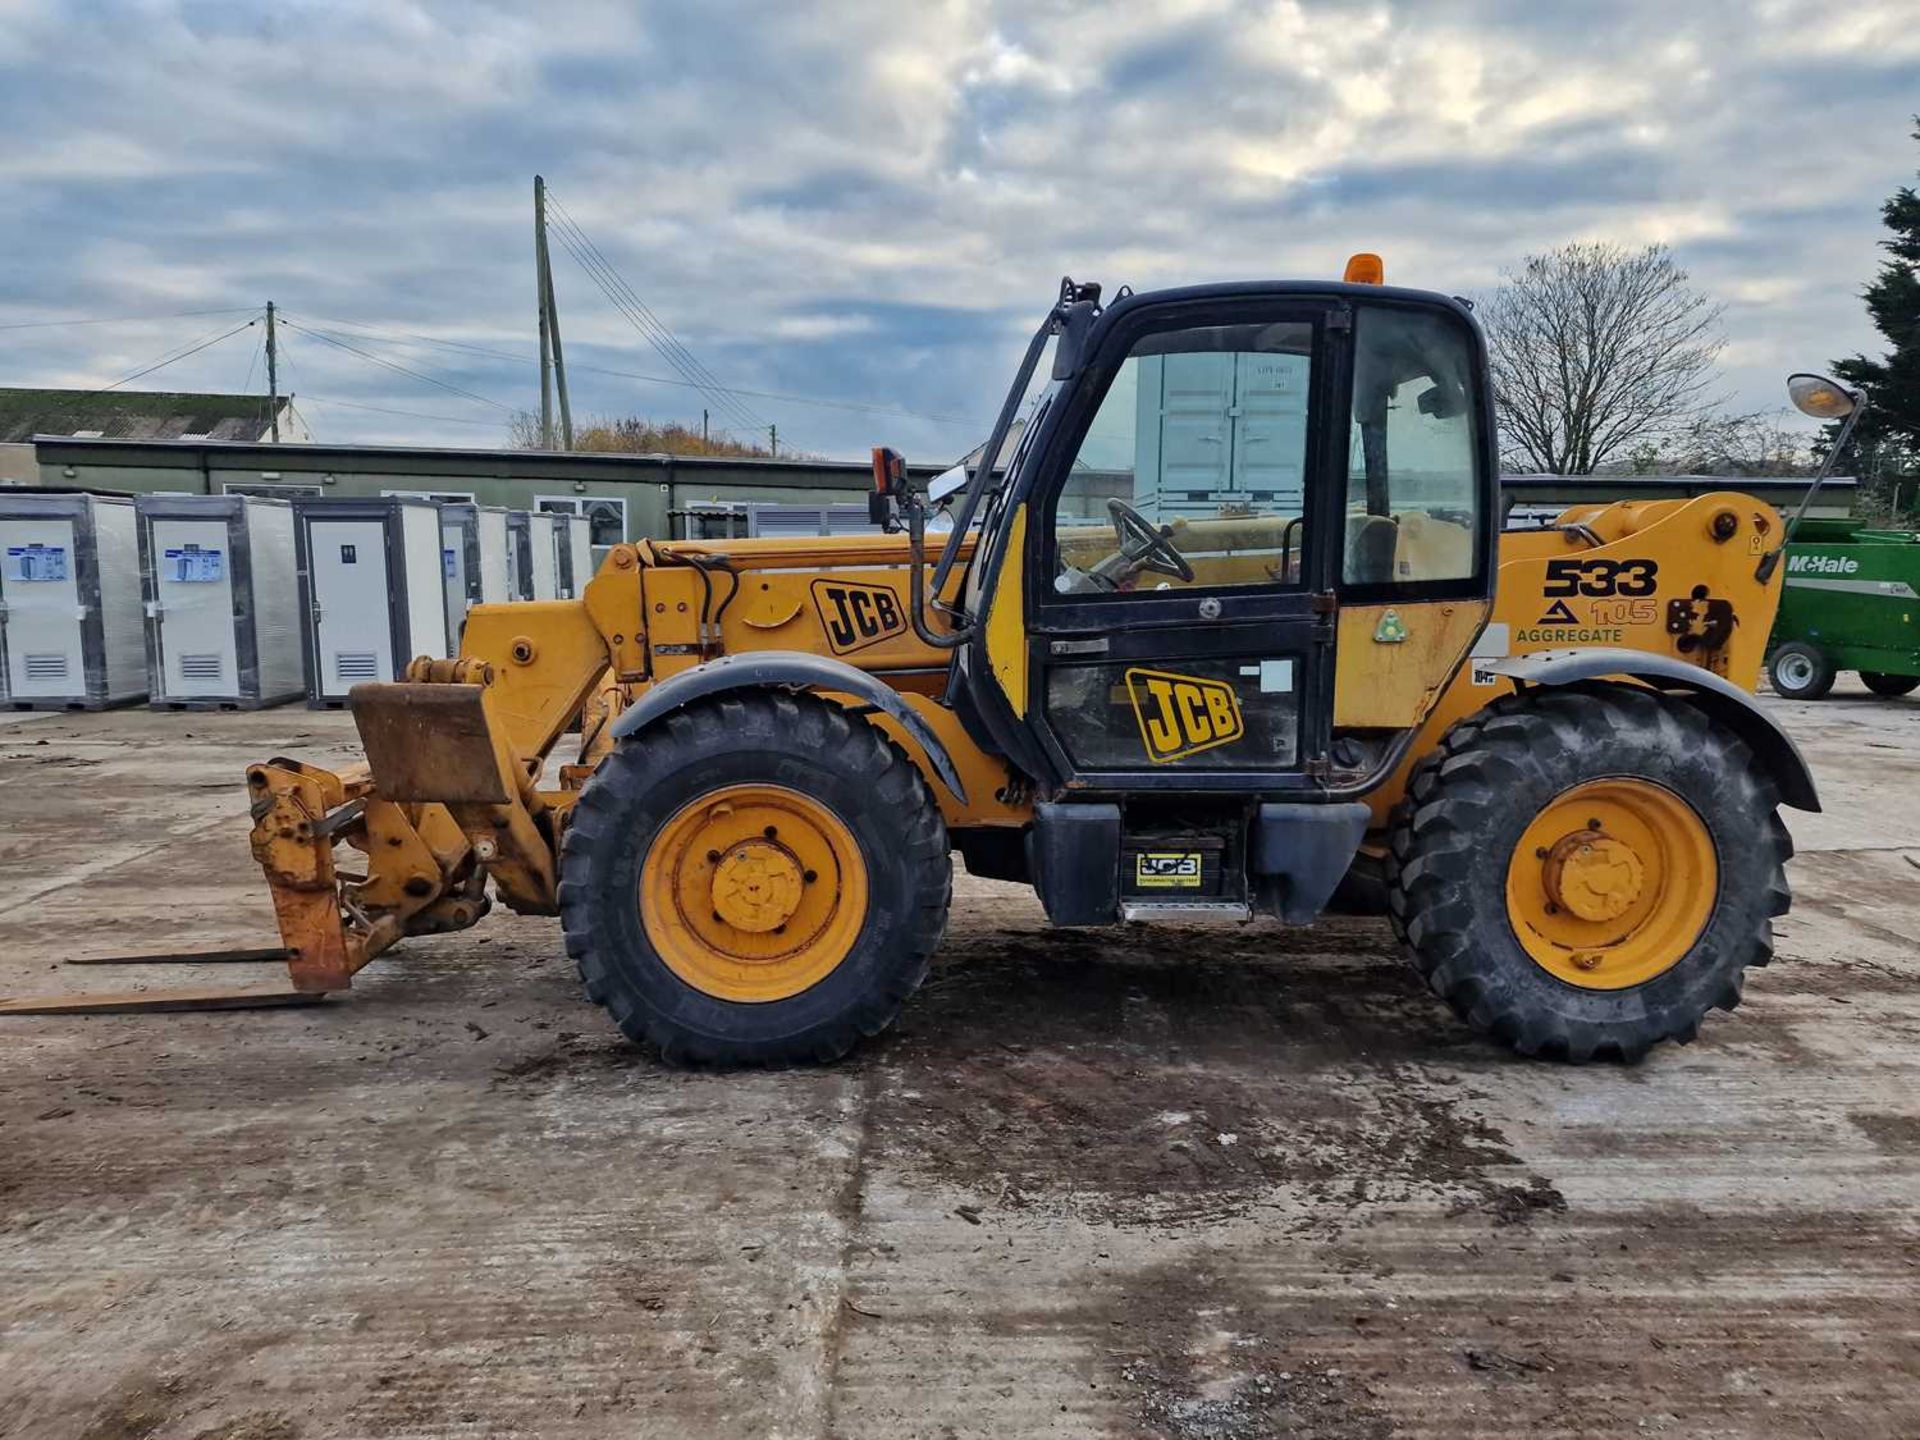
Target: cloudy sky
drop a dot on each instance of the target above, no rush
(870, 202)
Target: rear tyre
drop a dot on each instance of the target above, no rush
(755, 880)
(1889, 685)
(1584, 873)
(1800, 671)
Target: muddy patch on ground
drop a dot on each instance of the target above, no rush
(1202, 1360)
(1893, 1134)
(1145, 1089)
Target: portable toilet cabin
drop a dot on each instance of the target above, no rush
(222, 601)
(473, 557)
(372, 588)
(540, 559)
(70, 626)
(576, 554)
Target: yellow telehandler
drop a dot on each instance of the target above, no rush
(1235, 622)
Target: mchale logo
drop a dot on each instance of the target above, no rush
(1822, 565)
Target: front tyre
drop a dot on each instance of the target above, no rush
(1584, 873)
(756, 880)
(1800, 671)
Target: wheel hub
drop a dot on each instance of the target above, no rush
(756, 886)
(1593, 875)
(1612, 883)
(753, 892)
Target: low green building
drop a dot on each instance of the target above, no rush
(628, 497)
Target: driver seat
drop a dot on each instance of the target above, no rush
(1371, 543)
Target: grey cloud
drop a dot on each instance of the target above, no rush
(763, 172)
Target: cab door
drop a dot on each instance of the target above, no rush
(1180, 561)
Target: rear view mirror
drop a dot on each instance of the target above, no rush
(1821, 398)
(947, 483)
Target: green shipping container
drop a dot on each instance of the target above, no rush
(1852, 602)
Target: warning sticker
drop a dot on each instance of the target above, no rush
(29, 563)
(192, 565)
(1167, 870)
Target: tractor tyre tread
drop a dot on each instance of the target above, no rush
(758, 738)
(1446, 865)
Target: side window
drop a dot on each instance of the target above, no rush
(1412, 488)
(1192, 472)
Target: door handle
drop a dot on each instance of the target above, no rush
(1095, 646)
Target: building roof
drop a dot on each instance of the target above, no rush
(134, 415)
(1669, 486)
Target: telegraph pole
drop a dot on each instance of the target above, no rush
(773, 439)
(540, 287)
(273, 378)
(703, 426)
(553, 362)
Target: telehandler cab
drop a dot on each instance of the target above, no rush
(1235, 622)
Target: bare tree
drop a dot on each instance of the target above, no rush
(1594, 347)
(1759, 443)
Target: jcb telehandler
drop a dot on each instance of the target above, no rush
(1234, 623)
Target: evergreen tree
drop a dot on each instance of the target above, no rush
(1887, 442)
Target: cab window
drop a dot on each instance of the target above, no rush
(1412, 484)
(1192, 472)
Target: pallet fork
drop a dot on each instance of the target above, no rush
(427, 859)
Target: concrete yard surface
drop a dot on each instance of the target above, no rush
(1187, 1182)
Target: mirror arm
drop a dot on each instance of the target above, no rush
(1769, 562)
(916, 512)
(982, 475)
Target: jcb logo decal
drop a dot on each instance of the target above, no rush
(1179, 870)
(1181, 715)
(856, 616)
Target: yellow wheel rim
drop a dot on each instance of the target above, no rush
(1612, 884)
(753, 893)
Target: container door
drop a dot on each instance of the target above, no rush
(496, 586)
(544, 555)
(353, 634)
(453, 567)
(193, 607)
(40, 592)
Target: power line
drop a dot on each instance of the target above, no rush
(125, 319)
(253, 363)
(715, 395)
(404, 336)
(172, 357)
(410, 414)
(656, 331)
(395, 366)
(284, 351)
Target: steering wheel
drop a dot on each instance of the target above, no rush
(1145, 544)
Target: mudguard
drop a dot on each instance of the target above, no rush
(789, 670)
(1721, 698)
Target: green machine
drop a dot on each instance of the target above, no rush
(1851, 602)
